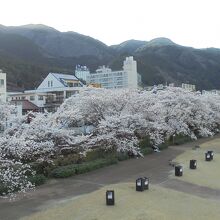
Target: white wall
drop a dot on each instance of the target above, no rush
(3, 87)
(126, 78)
(36, 101)
(130, 67)
(27, 96)
(82, 74)
(51, 78)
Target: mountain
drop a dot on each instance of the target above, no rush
(129, 46)
(60, 44)
(132, 46)
(29, 52)
(157, 42)
(163, 61)
(174, 63)
(19, 47)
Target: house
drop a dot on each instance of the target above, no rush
(38, 99)
(59, 80)
(51, 93)
(26, 106)
(3, 84)
(57, 87)
(128, 77)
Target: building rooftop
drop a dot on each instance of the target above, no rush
(26, 104)
(82, 68)
(61, 76)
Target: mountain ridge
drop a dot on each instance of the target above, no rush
(29, 52)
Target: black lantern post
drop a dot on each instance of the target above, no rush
(146, 183)
(140, 184)
(207, 156)
(110, 197)
(193, 164)
(178, 170)
(211, 153)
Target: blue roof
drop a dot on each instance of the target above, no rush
(61, 77)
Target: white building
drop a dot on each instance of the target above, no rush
(189, 87)
(51, 93)
(3, 85)
(214, 91)
(37, 98)
(126, 78)
(82, 72)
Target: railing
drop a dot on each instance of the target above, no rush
(55, 100)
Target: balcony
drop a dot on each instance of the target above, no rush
(54, 100)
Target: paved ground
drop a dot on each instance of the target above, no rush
(192, 189)
(154, 166)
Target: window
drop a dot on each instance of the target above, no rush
(70, 84)
(23, 97)
(32, 98)
(2, 83)
(69, 93)
(40, 97)
(50, 83)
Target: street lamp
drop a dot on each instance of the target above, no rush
(178, 170)
(173, 138)
(193, 164)
(110, 197)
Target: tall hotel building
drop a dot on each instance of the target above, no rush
(126, 78)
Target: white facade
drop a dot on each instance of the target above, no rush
(126, 78)
(51, 93)
(3, 85)
(130, 67)
(214, 91)
(38, 98)
(58, 80)
(82, 72)
(189, 87)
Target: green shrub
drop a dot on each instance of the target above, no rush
(145, 146)
(122, 156)
(71, 170)
(145, 143)
(146, 151)
(179, 139)
(42, 167)
(66, 160)
(3, 189)
(163, 145)
(96, 164)
(99, 153)
(93, 155)
(38, 179)
(64, 171)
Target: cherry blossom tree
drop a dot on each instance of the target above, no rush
(6, 113)
(103, 119)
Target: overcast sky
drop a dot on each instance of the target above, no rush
(187, 22)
